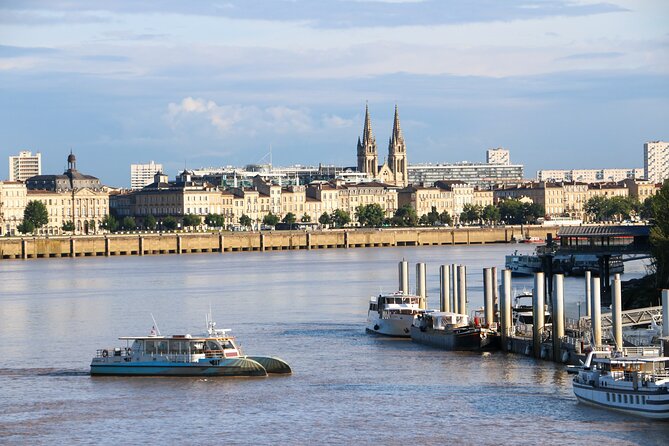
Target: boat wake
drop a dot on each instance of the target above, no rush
(43, 372)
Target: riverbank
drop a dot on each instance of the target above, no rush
(153, 243)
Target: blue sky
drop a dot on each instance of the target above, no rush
(562, 84)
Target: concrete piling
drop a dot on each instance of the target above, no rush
(444, 289)
(596, 314)
(617, 309)
(456, 289)
(462, 289)
(538, 313)
(487, 296)
(558, 315)
(421, 287)
(665, 313)
(404, 276)
(505, 309)
(588, 293)
(495, 294)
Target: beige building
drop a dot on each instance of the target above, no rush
(641, 189)
(422, 199)
(13, 200)
(351, 196)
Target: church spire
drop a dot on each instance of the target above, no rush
(367, 134)
(396, 137)
(367, 154)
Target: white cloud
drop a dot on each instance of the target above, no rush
(229, 119)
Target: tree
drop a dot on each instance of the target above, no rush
(170, 223)
(128, 223)
(659, 236)
(340, 218)
(68, 226)
(325, 219)
(423, 220)
(191, 220)
(405, 216)
(306, 218)
(433, 216)
(150, 222)
(289, 218)
(109, 223)
(214, 220)
(270, 219)
(490, 214)
(470, 213)
(25, 227)
(36, 213)
(597, 208)
(245, 221)
(515, 212)
(445, 218)
(370, 215)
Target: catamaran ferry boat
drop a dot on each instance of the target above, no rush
(634, 385)
(392, 314)
(215, 353)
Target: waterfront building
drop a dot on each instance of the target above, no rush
(589, 175)
(293, 199)
(641, 189)
(24, 165)
(72, 196)
(550, 195)
(322, 196)
(13, 200)
(479, 174)
(575, 195)
(177, 198)
(656, 161)
(351, 196)
(499, 156)
(423, 199)
(142, 174)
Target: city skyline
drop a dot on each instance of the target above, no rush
(213, 85)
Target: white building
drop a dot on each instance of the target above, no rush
(656, 161)
(498, 156)
(142, 174)
(589, 175)
(24, 165)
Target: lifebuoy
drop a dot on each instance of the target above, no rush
(105, 353)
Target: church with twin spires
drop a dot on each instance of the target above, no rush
(394, 169)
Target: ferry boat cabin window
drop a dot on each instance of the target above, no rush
(228, 345)
(625, 398)
(643, 399)
(620, 398)
(608, 396)
(636, 398)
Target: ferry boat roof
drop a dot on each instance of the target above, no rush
(222, 334)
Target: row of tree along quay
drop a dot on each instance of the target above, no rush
(508, 211)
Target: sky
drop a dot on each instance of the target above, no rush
(562, 84)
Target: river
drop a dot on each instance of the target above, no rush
(307, 307)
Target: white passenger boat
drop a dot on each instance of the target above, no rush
(634, 385)
(215, 353)
(523, 264)
(523, 316)
(392, 314)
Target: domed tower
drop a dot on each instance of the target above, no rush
(397, 154)
(368, 159)
(71, 161)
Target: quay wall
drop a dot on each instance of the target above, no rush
(147, 243)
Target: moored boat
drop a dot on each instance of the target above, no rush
(215, 353)
(391, 314)
(451, 331)
(633, 385)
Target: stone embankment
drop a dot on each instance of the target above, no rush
(148, 243)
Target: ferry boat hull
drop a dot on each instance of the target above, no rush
(654, 405)
(225, 367)
(475, 339)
